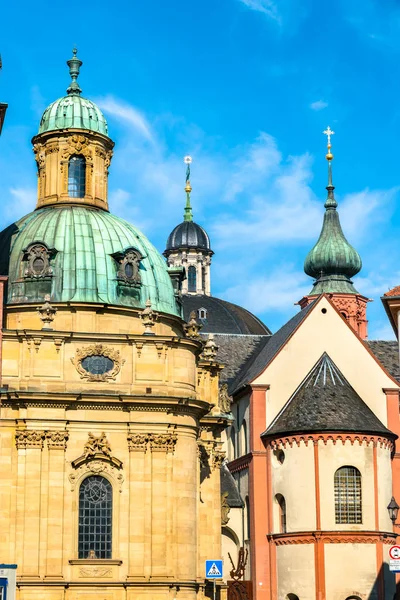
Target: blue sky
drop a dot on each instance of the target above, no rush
(246, 87)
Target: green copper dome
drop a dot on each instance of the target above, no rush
(332, 261)
(84, 246)
(73, 111)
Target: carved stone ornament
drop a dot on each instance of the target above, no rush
(225, 508)
(163, 442)
(95, 467)
(97, 445)
(27, 438)
(129, 267)
(224, 399)
(57, 440)
(40, 156)
(210, 349)
(100, 370)
(96, 572)
(78, 144)
(149, 318)
(38, 256)
(218, 459)
(192, 327)
(47, 313)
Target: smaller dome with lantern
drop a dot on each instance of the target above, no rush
(73, 111)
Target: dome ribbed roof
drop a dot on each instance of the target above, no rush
(73, 112)
(84, 240)
(188, 235)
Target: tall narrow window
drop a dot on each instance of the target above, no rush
(76, 177)
(244, 448)
(192, 279)
(248, 522)
(348, 506)
(95, 518)
(282, 512)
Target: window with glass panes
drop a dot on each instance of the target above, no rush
(192, 279)
(95, 518)
(348, 505)
(76, 177)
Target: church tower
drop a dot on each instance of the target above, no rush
(188, 246)
(333, 261)
(110, 412)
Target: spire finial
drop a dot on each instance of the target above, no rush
(330, 202)
(74, 65)
(188, 215)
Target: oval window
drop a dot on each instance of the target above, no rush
(97, 364)
(129, 270)
(38, 265)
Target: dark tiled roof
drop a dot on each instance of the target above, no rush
(387, 352)
(260, 360)
(188, 235)
(222, 316)
(228, 484)
(325, 401)
(235, 350)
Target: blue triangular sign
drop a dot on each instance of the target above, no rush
(214, 571)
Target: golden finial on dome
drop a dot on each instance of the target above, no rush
(328, 132)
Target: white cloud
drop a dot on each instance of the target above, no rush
(127, 114)
(278, 291)
(267, 7)
(23, 201)
(318, 105)
(361, 210)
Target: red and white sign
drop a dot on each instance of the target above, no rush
(394, 552)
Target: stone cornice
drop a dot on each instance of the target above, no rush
(332, 537)
(125, 402)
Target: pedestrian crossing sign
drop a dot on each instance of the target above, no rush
(214, 569)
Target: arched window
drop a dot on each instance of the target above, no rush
(76, 177)
(192, 279)
(282, 512)
(244, 448)
(202, 312)
(292, 597)
(247, 508)
(95, 518)
(233, 440)
(348, 506)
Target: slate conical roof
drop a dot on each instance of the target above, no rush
(325, 401)
(332, 261)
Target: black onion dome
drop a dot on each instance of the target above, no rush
(222, 317)
(188, 235)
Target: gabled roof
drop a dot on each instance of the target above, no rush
(325, 401)
(387, 352)
(258, 362)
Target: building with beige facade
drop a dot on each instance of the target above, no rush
(110, 417)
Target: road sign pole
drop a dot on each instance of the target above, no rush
(215, 589)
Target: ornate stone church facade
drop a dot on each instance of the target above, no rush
(109, 407)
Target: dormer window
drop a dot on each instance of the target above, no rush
(77, 176)
(202, 312)
(129, 267)
(37, 258)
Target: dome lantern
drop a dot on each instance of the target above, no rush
(188, 246)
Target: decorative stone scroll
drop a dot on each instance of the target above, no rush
(57, 440)
(164, 442)
(97, 448)
(27, 438)
(37, 257)
(98, 350)
(210, 457)
(95, 467)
